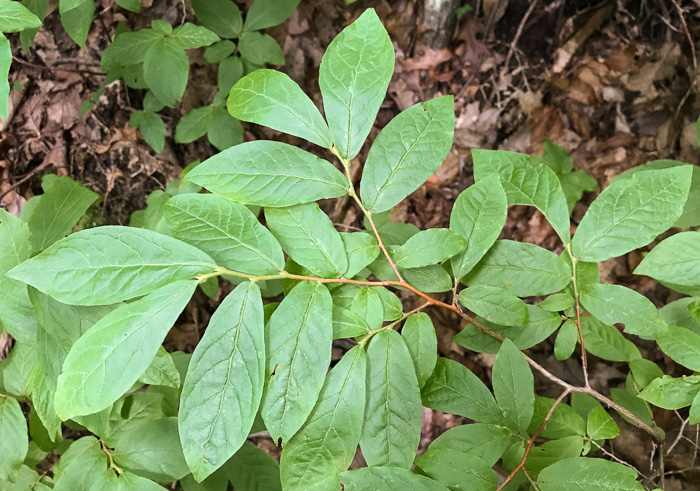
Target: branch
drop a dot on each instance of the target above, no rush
(534, 436)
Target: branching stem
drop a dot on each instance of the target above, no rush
(532, 439)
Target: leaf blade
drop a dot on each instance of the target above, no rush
(109, 358)
(269, 173)
(354, 75)
(299, 335)
(406, 152)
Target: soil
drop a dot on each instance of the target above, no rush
(613, 82)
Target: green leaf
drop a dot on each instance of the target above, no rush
(671, 393)
(583, 474)
(162, 371)
(694, 413)
(220, 50)
(5, 62)
(566, 341)
(162, 26)
(130, 5)
(60, 207)
(558, 302)
(644, 371)
(223, 387)
(354, 75)
(152, 128)
(428, 279)
(326, 444)
(521, 268)
(428, 247)
(453, 388)
(564, 421)
(677, 313)
(553, 451)
(458, 470)
(221, 16)
(488, 442)
(495, 304)
(16, 313)
(17, 370)
(106, 361)
(391, 304)
(76, 18)
(194, 124)
(616, 303)
(59, 326)
(606, 341)
(14, 443)
(630, 213)
(227, 231)
(38, 8)
(347, 324)
(82, 466)
(165, 70)
(260, 49)
(252, 469)
(513, 385)
(267, 13)
(272, 99)
(299, 336)
(373, 478)
(150, 448)
(268, 173)
(308, 236)
(682, 346)
(129, 48)
(191, 36)
(230, 71)
(362, 249)
(419, 334)
(368, 305)
(691, 211)
(675, 260)
(541, 324)
(600, 425)
(16, 17)
(224, 130)
(82, 270)
(406, 152)
(478, 215)
(393, 411)
(526, 184)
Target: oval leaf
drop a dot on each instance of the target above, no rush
(521, 268)
(14, 444)
(478, 215)
(308, 236)
(326, 444)
(630, 213)
(419, 334)
(299, 334)
(223, 386)
(106, 361)
(393, 412)
(588, 475)
(675, 260)
(226, 230)
(428, 247)
(495, 304)
(272, 99)
(105, 265)
(354, 75)
(407, 151)
(268, 173)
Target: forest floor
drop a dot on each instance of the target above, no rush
(614, 82)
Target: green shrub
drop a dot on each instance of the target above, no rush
(89, 311)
